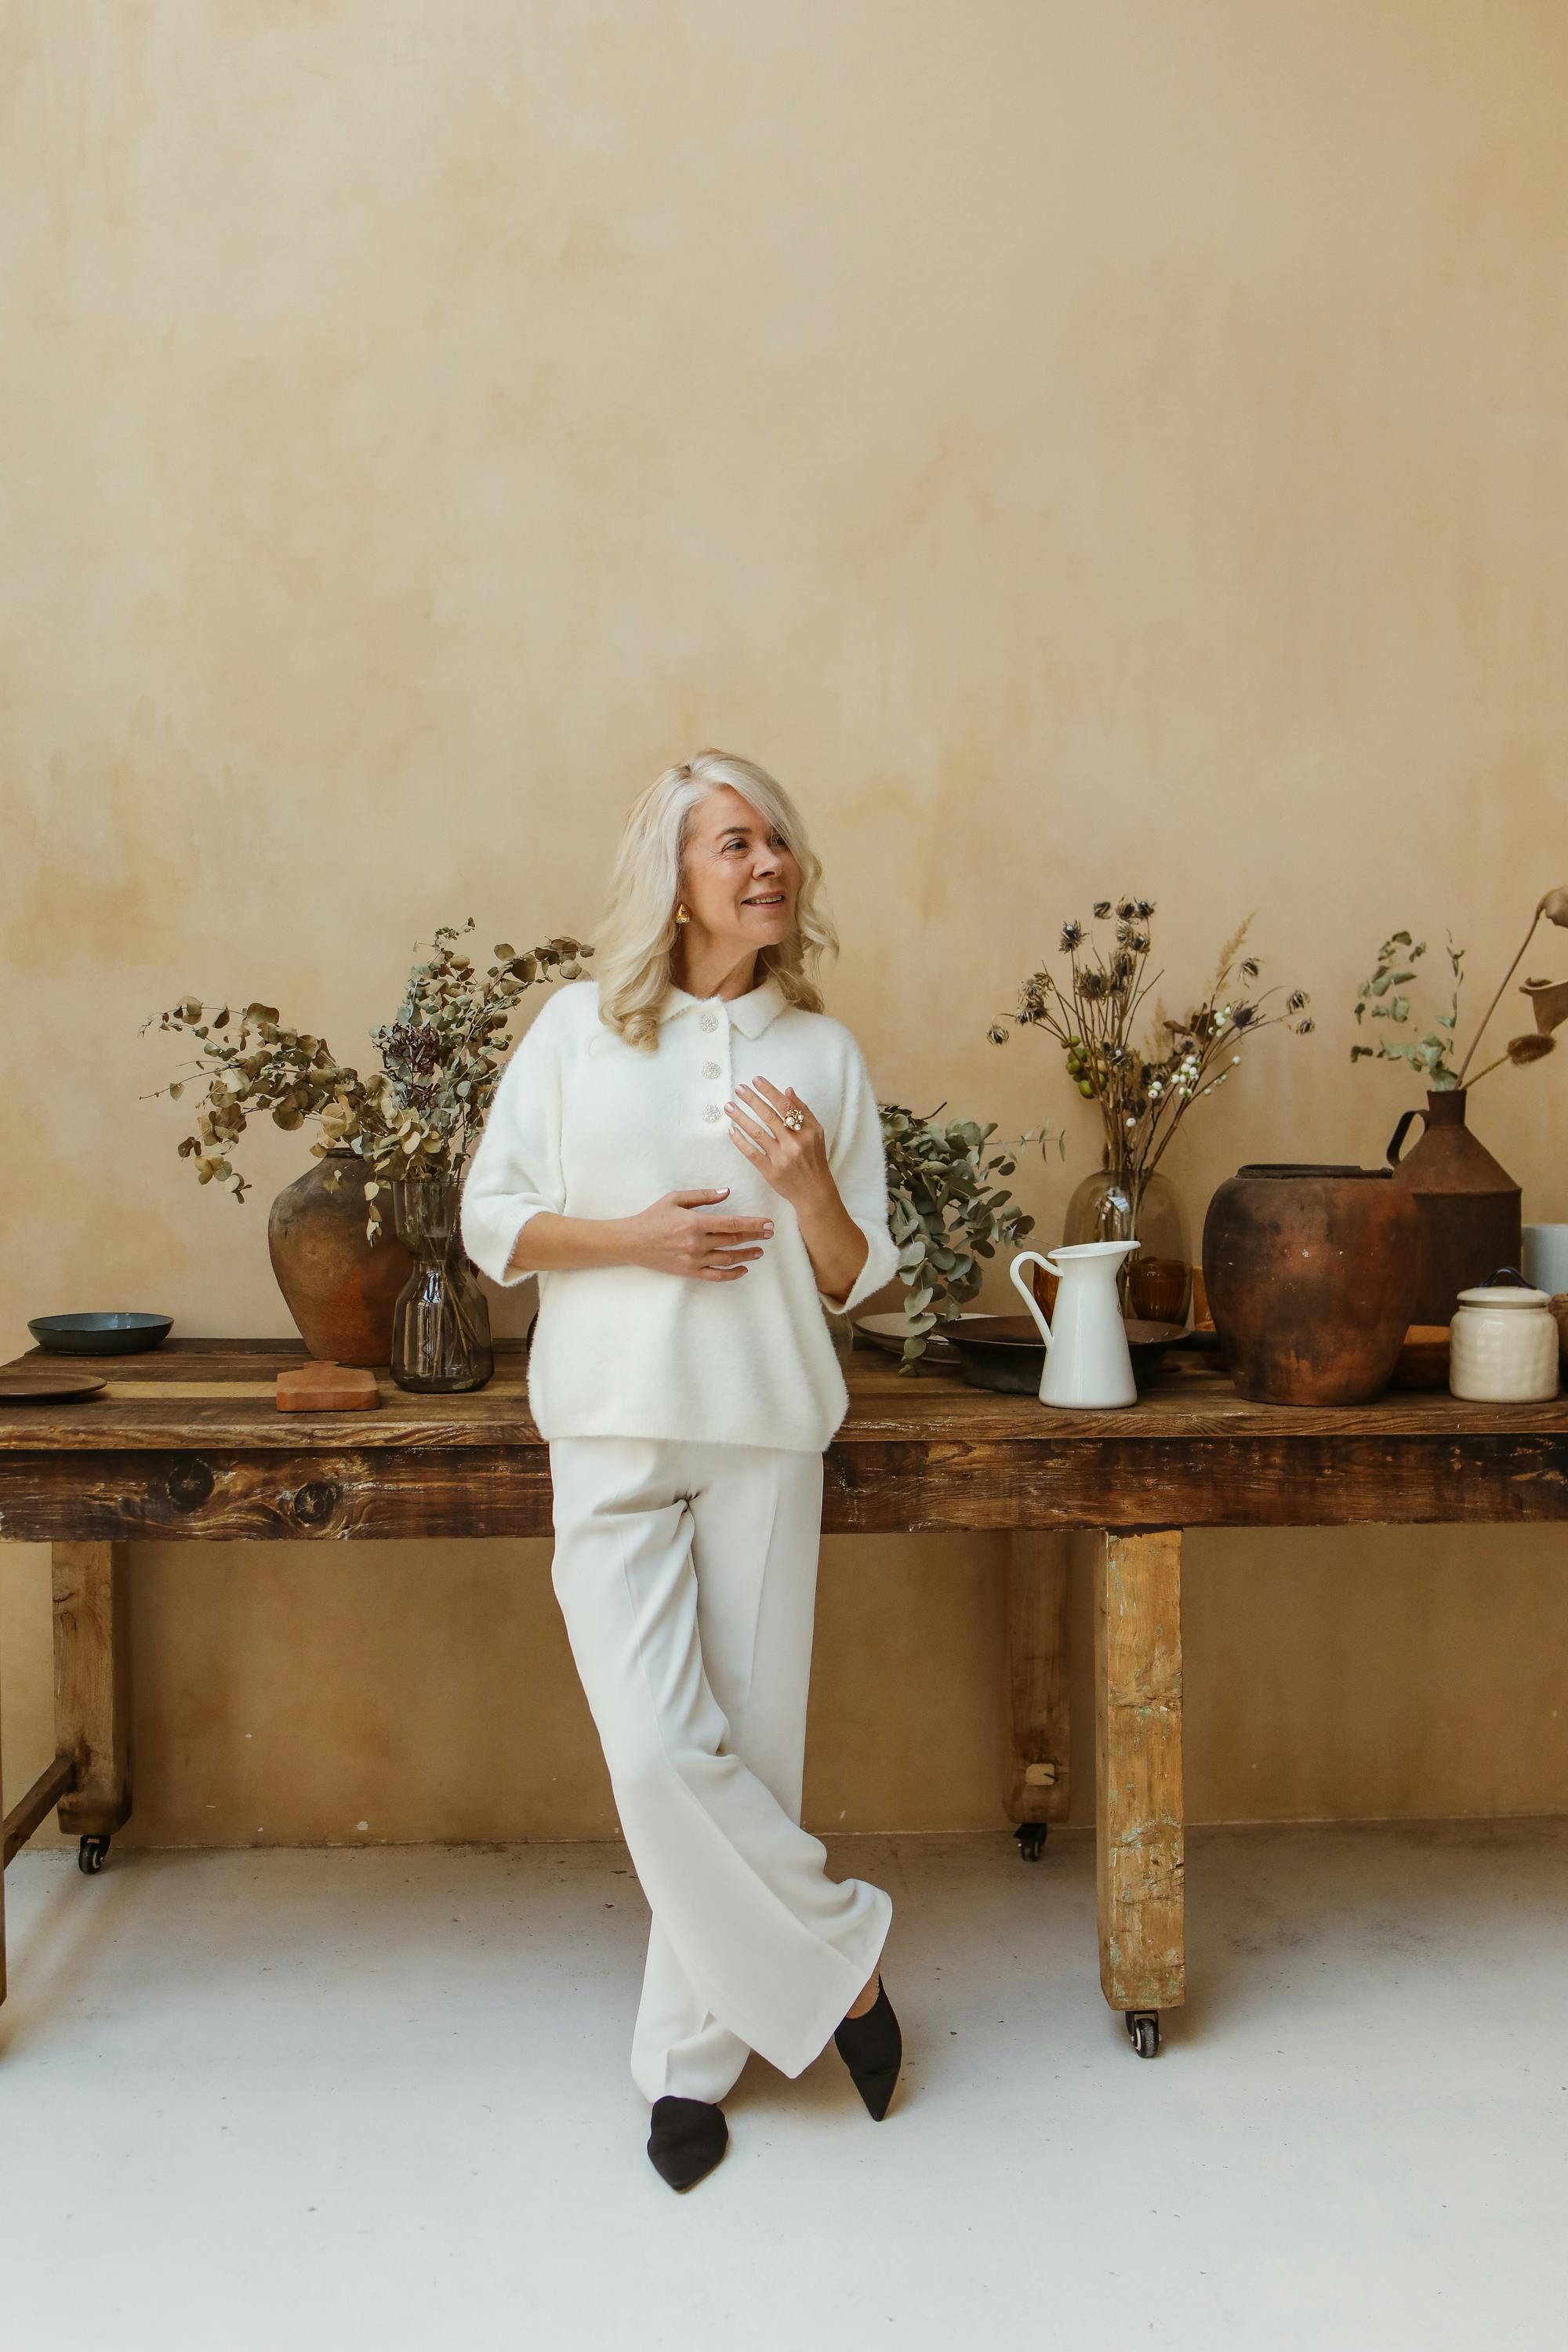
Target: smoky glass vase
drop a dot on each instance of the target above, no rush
(1112, 1205)
(440, 1325)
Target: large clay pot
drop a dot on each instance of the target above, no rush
(339, 1286)
(1311, 1276)
(1470, 1206)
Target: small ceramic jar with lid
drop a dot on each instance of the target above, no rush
(1503, 1347)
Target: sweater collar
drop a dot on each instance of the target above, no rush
(751, 1014)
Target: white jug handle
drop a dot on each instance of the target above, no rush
(1032, 1257)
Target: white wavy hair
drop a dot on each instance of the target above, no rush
(635, 943)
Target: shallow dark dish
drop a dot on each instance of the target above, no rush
(1007, 1351)
(888, 1332)
(118, 1334)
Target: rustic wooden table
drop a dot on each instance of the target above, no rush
(188, 1441)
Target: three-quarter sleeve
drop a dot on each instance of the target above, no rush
(516, 1170)
(858, 1160)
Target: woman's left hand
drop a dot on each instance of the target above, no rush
(793, 1160)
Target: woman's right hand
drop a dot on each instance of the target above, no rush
(683, 1232)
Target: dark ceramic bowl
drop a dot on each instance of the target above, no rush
(99, 1334)
(1007, 1351)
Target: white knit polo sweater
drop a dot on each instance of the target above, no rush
(588, 1126)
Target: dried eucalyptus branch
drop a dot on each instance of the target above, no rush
(419, 1116)
(946, 1211)
(1381, 996)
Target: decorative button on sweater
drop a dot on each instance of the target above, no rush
(588, 1126)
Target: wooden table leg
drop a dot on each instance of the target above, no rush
(92, 1688)
(1038, 1718)
(1139, 1859)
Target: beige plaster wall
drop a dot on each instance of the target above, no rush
(1077, 447)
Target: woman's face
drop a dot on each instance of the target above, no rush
(740, 879)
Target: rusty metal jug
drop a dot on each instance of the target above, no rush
(1470, 1206)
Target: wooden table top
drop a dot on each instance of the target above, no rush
(187, 1441)
(222, 1392)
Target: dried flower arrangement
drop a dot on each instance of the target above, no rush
(419, 1115)
(1144, 1096)
(942, 1216)
(1380, 995)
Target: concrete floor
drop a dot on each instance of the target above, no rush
(274, 2101)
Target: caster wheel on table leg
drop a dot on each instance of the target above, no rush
(91, 1854)
(1031, 1837)
(1144, 2031)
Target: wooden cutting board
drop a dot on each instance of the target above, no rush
(323, 1387)
(1424, 1359)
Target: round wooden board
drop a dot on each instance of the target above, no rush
(38, 1387)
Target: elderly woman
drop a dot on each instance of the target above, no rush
(686, 1152)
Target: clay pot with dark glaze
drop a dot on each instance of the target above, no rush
(340, 1286)
(1311, 1274)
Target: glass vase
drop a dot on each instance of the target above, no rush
(1156, 1282)
(441, 1325)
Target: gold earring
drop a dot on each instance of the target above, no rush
(680, 914)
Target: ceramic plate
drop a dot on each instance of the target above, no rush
(888, 1332)
(110, 1333)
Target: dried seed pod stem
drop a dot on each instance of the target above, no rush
(1553, 905)
(1143, 1095)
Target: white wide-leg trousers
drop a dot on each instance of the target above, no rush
(687, 1576)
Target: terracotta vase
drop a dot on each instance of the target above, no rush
(1469, 1206)
(1311, 1276)
(339, 1286)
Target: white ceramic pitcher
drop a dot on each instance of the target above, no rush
(1087, 1359)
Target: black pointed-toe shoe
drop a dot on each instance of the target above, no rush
(872, 2048)
(688, 2139)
